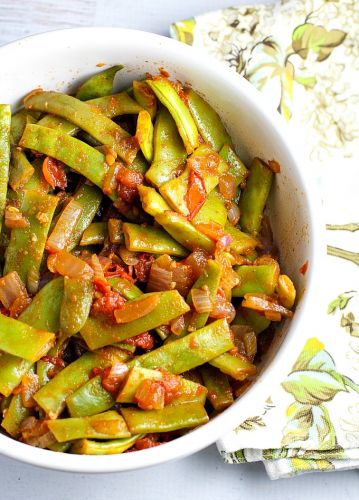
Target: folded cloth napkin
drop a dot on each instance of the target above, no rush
(303, 55)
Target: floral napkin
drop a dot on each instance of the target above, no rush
(304, 56)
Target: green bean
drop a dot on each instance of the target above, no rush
(97, 125)
(43, 312)
(111, 106)
(254, 196)
(213, 209)
(5, 403)
(76, 154)
(125, 288)
(152, 202)
(22, 340)
(97, 332)
(14, 416)
(210, 277)
(106, 425)
(151, 239)
(207, 120)
(21, 169)
(52, 397)
(12, 369)
(169, 152)
(5, 123)
(242, 243)
(184, 232)
(144, 134)
(89, 399)
(219, 391)
(76, 305)
(18, 124)
(175, 190)
(88, 447)
(171, 418)
(255, 279)
(145, 97)
(190, 351)
(235, 366)
(256, 321)
(26, 248)
(37, 181)
(236, 166)
(99, 84)
(115, 233)
(168, 96)
(60, 447)
(94, 234)
(89, 198)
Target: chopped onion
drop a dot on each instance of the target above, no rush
(11, 288)
(233, 213)
(160, 279)
(177, 325)
(14, 218)
(64, 227)
(29, 385)
(113, 377)
(197, 260)
(128, 257)
(265, 303)
(273, 315)
(227, 186)
(201, 300)
(223, 308)
(97, 268)
(66, 264)
(136, 309)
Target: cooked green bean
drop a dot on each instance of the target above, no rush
(145, 97)
(236, 367)
(255, 279)
(108, 425)
(88, 447)
(219, 391)
(152, 240)
(98, 85)
(5, 124)
(171, 418)
(144, 134)
(97, 332)
(89, 399)
(254, 196)
(94, 234)
(12, 369)
(236, 166)
(21, 169)
(152, 202)
(14, 415)
(208, 121)
(76, 305)
(213, 209)
(115, 232)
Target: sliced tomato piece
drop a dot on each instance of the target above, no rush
(54, 173)
(196, 194)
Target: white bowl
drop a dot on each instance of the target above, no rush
(60, 59)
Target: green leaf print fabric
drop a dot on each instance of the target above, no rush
(304, 56)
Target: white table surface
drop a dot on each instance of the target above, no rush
(202, 475)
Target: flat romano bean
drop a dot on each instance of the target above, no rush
(125, 288)
(97, 125)
(26, 248)
(98, 85)
(152, 240)
(236, 166)
(14, 416)
(94, 234)
(169, 151)
(152, 202)
(255, 279)
(12, 369)
(21, 169)
(184, 232)
(52, 397)
(97, 332)
(219, 391)
(18, 123)
(169, 97)
(190, 351)
(235, 366)
(213, 210)
(241, 243)
(5, 123)
(22, 340)
(144, 134)
(76, 305)
(256, 321)
(171, 418)
(115, 233)
(207, 120)
(89, 399)
(78, 155)
(108, 425)
(254, 196)
(89, 198)
(88, 447)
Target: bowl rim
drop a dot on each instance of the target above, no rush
(209, 433)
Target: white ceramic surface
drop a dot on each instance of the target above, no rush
(60, 59)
